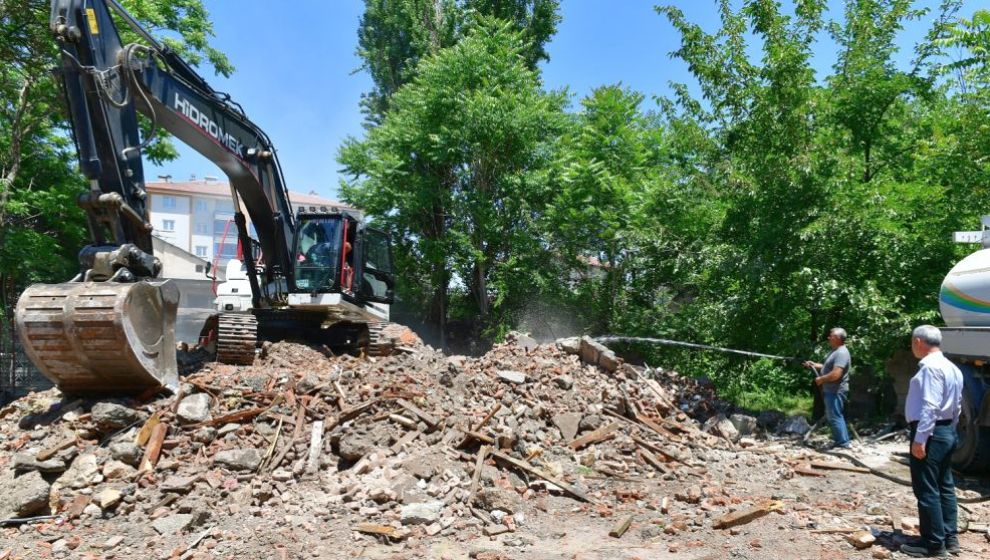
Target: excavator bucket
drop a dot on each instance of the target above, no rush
(101, 338)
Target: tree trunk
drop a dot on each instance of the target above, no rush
(17, 131)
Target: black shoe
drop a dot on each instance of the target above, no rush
(922, 551)
(952, 547)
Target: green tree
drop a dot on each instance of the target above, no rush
(457, 171)
(394, 35)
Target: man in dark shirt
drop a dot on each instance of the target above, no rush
(833, 378)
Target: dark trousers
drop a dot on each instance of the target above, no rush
(931, 479)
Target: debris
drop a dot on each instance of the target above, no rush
(239, 459)
(562, 485)
(144, 434)
(621, 526)
(861, 539)
(512, 376)
(194, 409)
(595, 436)
(421, 513)
(172, 524)
(22, 496)
(315, 444)
(838, 467)
(154, 447)
(428, 418)
(806, 470)
(375, 529)
(110, 417)
(744, 516)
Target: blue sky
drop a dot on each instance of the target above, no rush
(296, 69)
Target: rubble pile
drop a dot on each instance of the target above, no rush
(401, 448)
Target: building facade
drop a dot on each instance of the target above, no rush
(198, 217)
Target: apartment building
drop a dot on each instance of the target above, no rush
(197, 217)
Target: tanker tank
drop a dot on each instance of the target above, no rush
(964, 299)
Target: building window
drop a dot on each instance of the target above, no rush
(168, 225)
(200, 250)
(199, 268)
(203, 228)
(168, 202)
(200, 205)
(226, 250)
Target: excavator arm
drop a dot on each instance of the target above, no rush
(111, 328)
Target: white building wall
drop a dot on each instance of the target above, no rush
(176, 263)
(171, 219)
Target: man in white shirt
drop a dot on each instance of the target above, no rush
(932, 410)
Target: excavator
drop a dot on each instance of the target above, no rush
(320, 275)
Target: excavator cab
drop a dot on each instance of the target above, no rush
(336, 253)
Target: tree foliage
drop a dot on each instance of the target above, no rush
(394, 35)
(458, 170)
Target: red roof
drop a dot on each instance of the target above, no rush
(222, 190)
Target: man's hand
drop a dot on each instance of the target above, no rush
(918, 450)
(819, 381)
(810, 364)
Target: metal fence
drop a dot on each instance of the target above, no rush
(18, 376)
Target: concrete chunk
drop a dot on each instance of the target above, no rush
(423, 513)
(194, 409)
(512, 376)
(239, 459)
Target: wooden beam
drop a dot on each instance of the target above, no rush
(594, 437)
(621, 526)
(838, 467)
(741, 517)
(430, 420)
(537, 472)
(154, 448)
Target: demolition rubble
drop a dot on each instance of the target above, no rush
(530, 451)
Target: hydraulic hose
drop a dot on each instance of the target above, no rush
(666, 342)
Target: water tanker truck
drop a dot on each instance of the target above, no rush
(964, 301)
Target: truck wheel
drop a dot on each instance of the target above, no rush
(973, 451)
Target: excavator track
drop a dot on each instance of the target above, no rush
(379, 343)
(237, 337)
(101, 338)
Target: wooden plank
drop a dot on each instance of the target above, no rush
(47, 454)
(477, 427)
(656, 449)
(431, 421)
(476, 478)
(478, 436)
(340, 393)
(375, 529)
(154, 448)
(349, 413)
(642, 418)
(534, 471)
(232, 418)
(594, 437)
(806, 470)
(838, 467)
(404, 440)
(145, 432)
(621, 526)
(651, 460)
(741, 517)
(296, 432)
